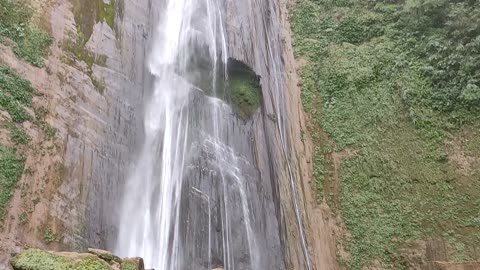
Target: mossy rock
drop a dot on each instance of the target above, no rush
(244, 91)
(132, 264)
(35, 259)
(105, 255)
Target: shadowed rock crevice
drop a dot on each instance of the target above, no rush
(244, 91)
(239, 87)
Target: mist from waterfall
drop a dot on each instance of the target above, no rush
(167, 208)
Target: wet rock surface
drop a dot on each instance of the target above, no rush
(256, 36)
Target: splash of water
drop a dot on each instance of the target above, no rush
(186, 139)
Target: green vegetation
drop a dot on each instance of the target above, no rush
(15, 94)
(106, 12)
(31, 43)
(78, 51)
(86, 14)
(397, 83)
(38, 259)
(92, 264)
(43, 260)
(11, 168)
(106, 256)
(23, 217)
(18, 135)
(49, 236)
(243, 89)
(99, 85)
(48, 131)
(40, 114)
(89, 12)
(245, 96)
(128, 265)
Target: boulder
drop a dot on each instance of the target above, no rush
(132, 264)
(105, 255)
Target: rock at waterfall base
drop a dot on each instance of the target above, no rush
(36, 259)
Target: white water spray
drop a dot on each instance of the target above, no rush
(152, 221)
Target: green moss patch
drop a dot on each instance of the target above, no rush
(106, 12)
(86, 14)
(34, 259)
(129, 266)
(89, 12)
(92, 264)
(243, 89)
(37, 259)
(240, 87)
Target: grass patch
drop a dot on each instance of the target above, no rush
(369, 84)
(11, 168)
(31, 43)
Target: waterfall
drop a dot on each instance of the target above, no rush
(191, 201)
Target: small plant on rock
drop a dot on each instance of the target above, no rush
(49, 236)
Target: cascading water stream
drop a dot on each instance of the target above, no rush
(188, 174)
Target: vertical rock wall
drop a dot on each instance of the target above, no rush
(92, 89)
(258, 34)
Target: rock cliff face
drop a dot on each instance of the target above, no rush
(94, 85)
(259, 35)
(92, 88)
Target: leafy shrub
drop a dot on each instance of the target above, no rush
(393, 81)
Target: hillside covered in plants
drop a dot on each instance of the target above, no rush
(392, 92)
